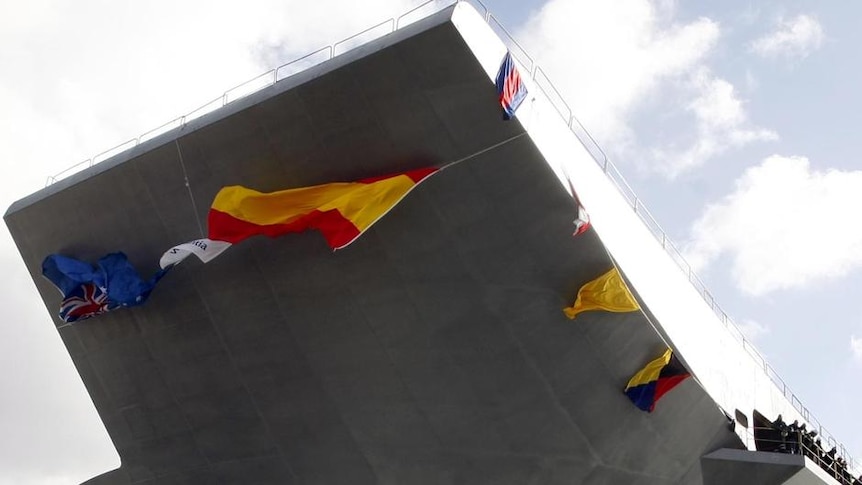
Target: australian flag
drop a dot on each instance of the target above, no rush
(510, 90)
(89, 291)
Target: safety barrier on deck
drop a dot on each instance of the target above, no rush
(792, 440)
(542, 81)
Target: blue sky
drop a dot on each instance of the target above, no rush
(734, 126)
(734, 121)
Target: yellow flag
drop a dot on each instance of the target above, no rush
(607, 292)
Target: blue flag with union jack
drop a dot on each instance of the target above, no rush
(89, 291)
(510, 88)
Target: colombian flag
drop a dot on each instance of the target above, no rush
(341, 211)
(654, 380)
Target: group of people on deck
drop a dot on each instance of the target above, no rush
(795, 438)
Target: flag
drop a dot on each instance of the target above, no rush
(582, 222)
(653, 381)
(607, 292)
(342, 211)
(89, 291)
(510, 90)
(205, 249)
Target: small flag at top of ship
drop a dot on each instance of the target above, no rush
(510, 89)
(582, 222)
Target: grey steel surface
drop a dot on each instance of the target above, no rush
(433, 350)
(743, 467)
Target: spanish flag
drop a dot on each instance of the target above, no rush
(654, 380)
(607, 292)
(341, 211)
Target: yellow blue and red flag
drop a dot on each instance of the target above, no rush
(653, 381)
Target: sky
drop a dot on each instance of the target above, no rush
(733, 121)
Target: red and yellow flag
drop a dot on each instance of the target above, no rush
(341, 211)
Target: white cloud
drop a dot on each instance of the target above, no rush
(717, 106)
(722, 124)
(78, 78)
(794, 39)
(607, 58)
(85, 76)
(751, 82)
(784, 226)
(752, 330)
(856, 347)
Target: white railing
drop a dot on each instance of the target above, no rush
(265, 80)
(557, 100)
(600, 157)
